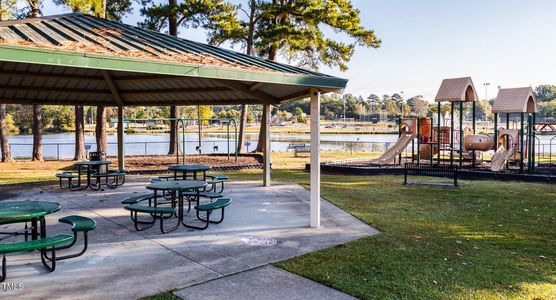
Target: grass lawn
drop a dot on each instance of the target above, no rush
(484, 240)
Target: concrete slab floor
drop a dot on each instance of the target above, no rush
(268, 283)
(262, 226)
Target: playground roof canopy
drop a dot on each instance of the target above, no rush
(515, 100)
(78, 59)
(456, 90)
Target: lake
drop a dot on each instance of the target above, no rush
(61, 145)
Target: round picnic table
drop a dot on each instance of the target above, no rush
(25, 211)
(89, 167)
(192, 169)
(178, 186)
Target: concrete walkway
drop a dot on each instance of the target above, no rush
(268, 283)
(263, 225)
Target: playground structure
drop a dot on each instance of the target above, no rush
(517, 144)
(182, 124)
(444, 139)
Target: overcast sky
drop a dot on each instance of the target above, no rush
(508, 43)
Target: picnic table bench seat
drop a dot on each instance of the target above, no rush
(110, 174)
(208, 208)
(150, 209)
(204, 194)
(216, 179)
(75, 172)
(137, 198)
(66, 175)
(116, 176)
(219, 203)
(69, 177)
(42, 244)
(157, 212)
(78, 224)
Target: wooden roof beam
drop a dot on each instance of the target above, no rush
(245, 89)
(256, 86)
(177, 91)
(112, 86)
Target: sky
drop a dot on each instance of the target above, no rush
(507, 43)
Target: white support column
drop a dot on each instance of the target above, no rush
(266, 154)
(121, 153)
(315, 158)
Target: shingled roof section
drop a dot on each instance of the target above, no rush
(515, 100)
(456, 90)
(88, 34)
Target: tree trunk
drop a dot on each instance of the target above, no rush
(37, 133)
(174, 126)
(172, 18)
(4, 146)
(260, 146)
(79, 133)
(35, 6)
(242, 124)
(174, 112)
(100, 130)
(260, 143)
(249, 51)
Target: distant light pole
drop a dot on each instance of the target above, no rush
(344, 110)
(402, 104)
(486, 84)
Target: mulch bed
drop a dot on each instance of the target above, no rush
(153, 163)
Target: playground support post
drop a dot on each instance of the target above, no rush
(533, 140)
(508, 140)
(399, 135)
(461, 134)
(474, 130)
(438, 133)
(521, 141)
(451, 133)
(529, 142)
(418, 141)
(495, 131)
(431, 141)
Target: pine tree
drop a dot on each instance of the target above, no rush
(189, 13)
(294, 29)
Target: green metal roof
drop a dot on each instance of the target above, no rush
(80, 59)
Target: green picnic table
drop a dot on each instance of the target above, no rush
(179, 187)
(28, 211)
(91, 167)
(190, 169)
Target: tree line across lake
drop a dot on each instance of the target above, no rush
(58, 118)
